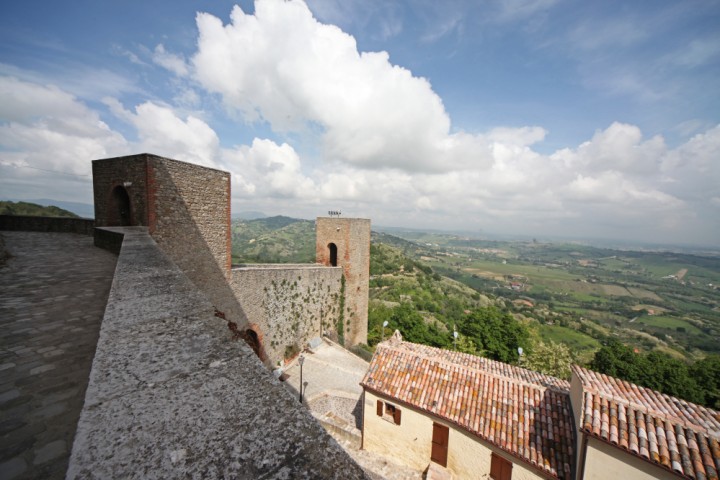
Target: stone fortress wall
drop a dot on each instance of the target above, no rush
(288, 305)
(186, 208)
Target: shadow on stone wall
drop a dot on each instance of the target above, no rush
(193, 234)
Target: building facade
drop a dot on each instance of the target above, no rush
(484, 419)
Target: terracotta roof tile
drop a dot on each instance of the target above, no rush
(525, 413)
(673, 433)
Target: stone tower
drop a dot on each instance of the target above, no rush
(185, 207)
(345, 242)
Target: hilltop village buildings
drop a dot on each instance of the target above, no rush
(479, 418)
(172, 393)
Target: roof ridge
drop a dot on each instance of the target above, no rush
(443, 359)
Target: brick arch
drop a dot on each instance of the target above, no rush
(253, 336)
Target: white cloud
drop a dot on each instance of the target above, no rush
(47, 138)
(170, 61)
(620, 147)
(283, 66)
(163, 132)
(268, 169)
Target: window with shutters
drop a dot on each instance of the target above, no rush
(500, 469)
(389, 412)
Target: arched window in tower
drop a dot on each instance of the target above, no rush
(121, 214)
(333, 254)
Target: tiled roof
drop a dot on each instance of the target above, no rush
(524, 413)
(673, 433)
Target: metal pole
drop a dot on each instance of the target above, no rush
(300, 361)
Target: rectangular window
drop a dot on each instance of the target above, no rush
(389, 412)
(500, 469)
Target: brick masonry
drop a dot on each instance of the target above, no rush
(351, 236)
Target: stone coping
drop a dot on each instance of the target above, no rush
(279, 266)
(172, 395)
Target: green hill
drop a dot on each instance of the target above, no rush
(33, 210)
(273, 240)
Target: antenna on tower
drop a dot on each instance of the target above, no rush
(334, 213)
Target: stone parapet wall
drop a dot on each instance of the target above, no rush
(173, 395)
(83, 226)
(287, 305)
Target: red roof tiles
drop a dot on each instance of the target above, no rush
(673, 433)
(525, 413)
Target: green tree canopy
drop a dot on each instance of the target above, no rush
(658, 371)
(496, 332)
(549, 358)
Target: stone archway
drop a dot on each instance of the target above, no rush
(333, 254)
(121, 211)
(252, 339)
(253, 336)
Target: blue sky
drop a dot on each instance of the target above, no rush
(534, 117)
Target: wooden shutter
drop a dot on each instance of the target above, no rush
(379, 408)
(500, 469)
(398, 416)
(439, 451)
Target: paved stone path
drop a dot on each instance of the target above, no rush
(53, 291)
(333, 378)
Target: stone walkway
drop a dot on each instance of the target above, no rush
(53, 291)
(333, 390)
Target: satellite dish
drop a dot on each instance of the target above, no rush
(520, 351)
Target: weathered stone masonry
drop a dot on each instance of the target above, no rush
(186, 208)
(287, 305)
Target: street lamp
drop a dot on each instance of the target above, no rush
(300, 361)
(382, 334)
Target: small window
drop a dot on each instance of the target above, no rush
(389, 412)
(500, 469)
(333, 254)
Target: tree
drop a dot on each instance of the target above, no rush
(466, 345)
(707, 374)
(656, 370)
(549, 358)
(496, 332)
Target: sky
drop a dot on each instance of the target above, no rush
(544, 118)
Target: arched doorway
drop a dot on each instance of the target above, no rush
(333, 254)
(121, 212)
(251, 338)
